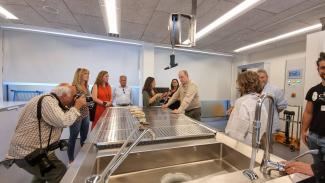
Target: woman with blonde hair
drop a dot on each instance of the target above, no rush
(80, 82)
(102, 95)
(240, 123)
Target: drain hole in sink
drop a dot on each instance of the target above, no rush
(175, 178)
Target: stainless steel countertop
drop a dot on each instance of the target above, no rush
(7, 106)
(118, 124)
(85, 161)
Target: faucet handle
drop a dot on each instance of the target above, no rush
(268, 165)
(93, 179)
(250, 174)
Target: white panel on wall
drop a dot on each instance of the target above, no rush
(315, 45)
(211, 73)
(1, 66)
(41, 58)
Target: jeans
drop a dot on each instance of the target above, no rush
(53, 176)
(315, 141)
(82, 127)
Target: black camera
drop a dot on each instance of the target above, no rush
(39, 156)
(89, 100)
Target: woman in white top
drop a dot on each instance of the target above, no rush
(240, 124)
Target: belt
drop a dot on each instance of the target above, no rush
(192, 109)
(123, 104)
(316, 134)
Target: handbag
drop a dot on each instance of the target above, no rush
(92, 110)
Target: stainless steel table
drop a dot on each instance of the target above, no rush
(118, 123)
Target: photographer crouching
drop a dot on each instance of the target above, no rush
(38, 133)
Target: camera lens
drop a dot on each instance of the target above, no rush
(89, 99)
(63, 145)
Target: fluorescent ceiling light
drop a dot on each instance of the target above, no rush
(73, 35)
(111, 16)
(237, 11)
(196, 51)
(6, 14)
(280, 37)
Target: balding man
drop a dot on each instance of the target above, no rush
(40, 124)
(188, 94)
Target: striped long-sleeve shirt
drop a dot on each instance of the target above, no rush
(26, 137)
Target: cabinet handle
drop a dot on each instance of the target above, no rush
(12, 108)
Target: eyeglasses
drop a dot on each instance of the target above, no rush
(123, 91)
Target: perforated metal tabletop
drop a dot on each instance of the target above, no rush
(119, 123)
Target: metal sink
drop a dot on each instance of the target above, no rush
(194, 161)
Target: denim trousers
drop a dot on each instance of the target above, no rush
(81, 127)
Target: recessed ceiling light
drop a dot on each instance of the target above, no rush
(232, 14)
(280, 37)
(6, 14)
(68, 34)
(111, 10)
(50, 9)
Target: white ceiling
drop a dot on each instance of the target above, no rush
(147, 20)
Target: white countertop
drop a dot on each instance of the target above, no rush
(10, 105)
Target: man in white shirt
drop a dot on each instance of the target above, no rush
(122, 95)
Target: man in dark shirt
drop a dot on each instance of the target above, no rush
(314, 115)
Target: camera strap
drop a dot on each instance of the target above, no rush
(64, 108)
(39, 117)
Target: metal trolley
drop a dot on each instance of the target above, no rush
(291, 135)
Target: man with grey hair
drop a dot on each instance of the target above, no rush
(40, 124)
(188, 94)
(122, 95)
(280, 102)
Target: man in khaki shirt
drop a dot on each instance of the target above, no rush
(187, 93)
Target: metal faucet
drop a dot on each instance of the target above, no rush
(120, 156)
(267, 165)
(266, 162)
(281, 166)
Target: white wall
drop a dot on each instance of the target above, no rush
(148, 62)
(315, 45)
(1, 66)
(38, 57)
(274, 62)
(211, 73)
(41, 58)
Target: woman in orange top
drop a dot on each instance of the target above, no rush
(102, 95)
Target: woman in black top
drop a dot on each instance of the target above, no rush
(173, 88)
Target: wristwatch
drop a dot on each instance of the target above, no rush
(104, 104)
